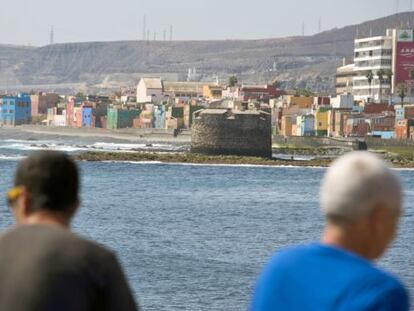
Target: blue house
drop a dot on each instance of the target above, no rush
(305, 125)
(159, 117)
(87, 117)
(399, 113)
(16, 110)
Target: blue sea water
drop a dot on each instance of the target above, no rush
(194, 237)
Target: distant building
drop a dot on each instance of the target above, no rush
(121, 118)
(404, 129)
(321, 101)
(184, 90)
(378, 109)
(321, 122)
(288, 122)
(337, 120)
(15, 110)
(253, 92)
(42, 102)
(305, 125)
(370, 55)
(404, 112)
(356, 126)
(344, 79)
(159, 117)
(87, 117)
(301, 102)
(150, 90)
(212, 92)
(343, 101)
(56, 116)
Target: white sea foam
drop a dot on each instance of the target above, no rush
(214, 165)
(4, 157)
(25, 145)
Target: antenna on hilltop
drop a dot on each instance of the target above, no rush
(171, 32)
(303, 29)
(165, 35)
(52, 36)
(320, 25)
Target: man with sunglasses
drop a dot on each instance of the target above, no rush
(43, 266)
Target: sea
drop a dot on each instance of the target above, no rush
(195, 237)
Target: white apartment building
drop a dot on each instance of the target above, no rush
(371, 55)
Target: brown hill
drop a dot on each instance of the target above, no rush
(296, 61)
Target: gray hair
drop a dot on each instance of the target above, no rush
(355, 184)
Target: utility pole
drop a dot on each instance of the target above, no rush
(155, 36)
(52, 36)
(171, 32)
(165, 35)
(144, 29)
(303, 29)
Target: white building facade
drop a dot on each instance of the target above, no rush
(150, 90)
(370, 56)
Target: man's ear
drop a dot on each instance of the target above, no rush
(378, 219)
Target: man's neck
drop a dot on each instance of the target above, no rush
(48, 219)
(347, 239)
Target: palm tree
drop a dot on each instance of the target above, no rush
(370, 77)
(389, 74)
(402, 92)
(381, 78)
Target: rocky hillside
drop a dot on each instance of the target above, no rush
(295, 61)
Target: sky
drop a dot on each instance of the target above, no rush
(29, 22)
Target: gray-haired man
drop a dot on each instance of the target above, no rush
(361, 199)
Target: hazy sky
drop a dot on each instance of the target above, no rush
(29, 21)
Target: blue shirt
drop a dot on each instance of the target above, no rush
(320, 277)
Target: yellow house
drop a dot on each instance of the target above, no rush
(321, 122)
(302, 102)
(212, 91)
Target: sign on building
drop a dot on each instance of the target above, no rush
(405, 35)
(404, 66)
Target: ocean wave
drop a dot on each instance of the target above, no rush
(24, 145)
(16, 157)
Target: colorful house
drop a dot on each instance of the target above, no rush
(159, 117)
(212, 92)
(15, 110)
(305, 125)
(404, 129)
(121, 118)
(87, 119)
(287, 125)
(321, 122)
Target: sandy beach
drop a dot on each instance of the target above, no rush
(32, 132)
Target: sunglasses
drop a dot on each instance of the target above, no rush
(13, 194)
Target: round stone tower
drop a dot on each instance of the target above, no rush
(226, 132)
